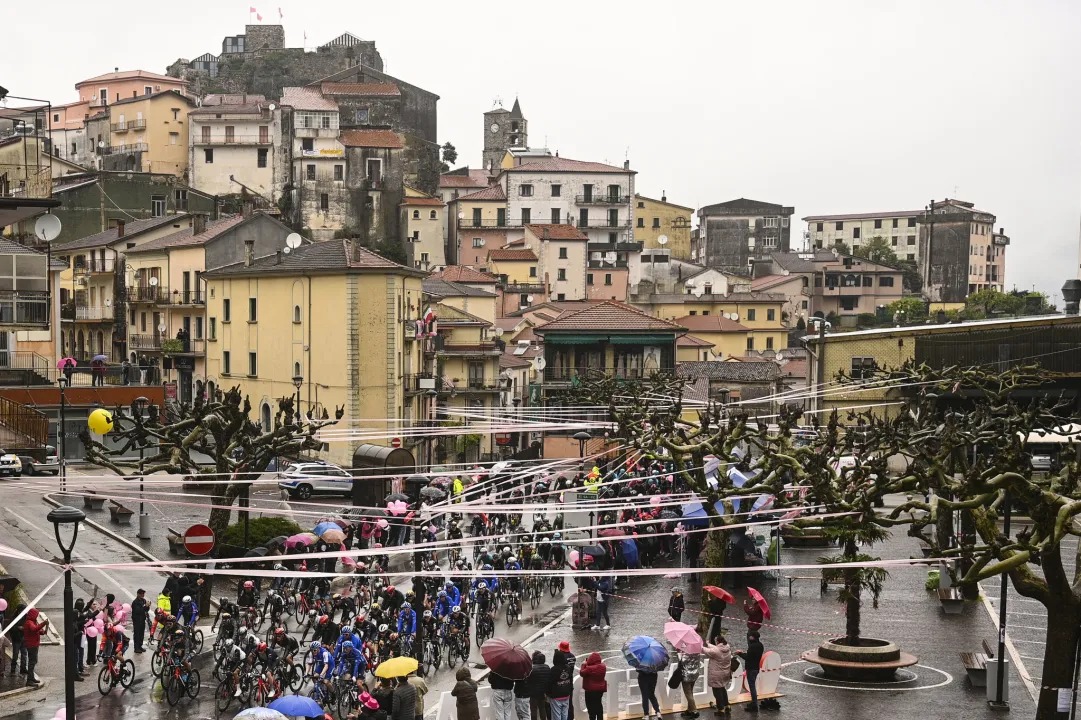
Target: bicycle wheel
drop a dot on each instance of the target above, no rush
(553, 587)
(104, 681)
(174, 689)
(451, 655)
(510, 614)
(224, 694)
(300, 612)
(296, 679)
(258, 695)
(197, 637)
(436, 656)
(195, 684)
(157, 663)
(127, 674)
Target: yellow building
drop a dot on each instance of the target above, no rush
(149, 133)
(422, 225)
(654, 219)
(514, 265)
(478, 223)
(731, 338)
(333, 313)
(691, 348)
(27, 167)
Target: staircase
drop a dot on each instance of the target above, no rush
(22, 427)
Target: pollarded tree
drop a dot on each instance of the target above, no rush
(221, 428)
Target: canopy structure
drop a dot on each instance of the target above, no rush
(374, 460)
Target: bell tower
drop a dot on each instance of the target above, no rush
(503, 129)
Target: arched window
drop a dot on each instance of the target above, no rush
(210, 390)
(296, 313)
(266, 420)
(416, 214)
(82, 345)
(101, 342)
(296, 369)
(433, 215)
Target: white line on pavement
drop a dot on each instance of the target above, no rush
(1022, 671)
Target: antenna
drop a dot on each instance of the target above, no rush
(610, 257)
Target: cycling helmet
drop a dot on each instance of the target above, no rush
(311, 613)
(262, 646)
(228, 643)
(315, 645)
(482, 585)
(347, 645)
(442, 593)
(248, 585)
(278, 566)
(187, 599)
(383, 628)
(546, 540)
(512, 559)
(345, 629)
(427, 614)
(224, 601)
(456, 609)
(242, 631)
(406, 606)
(557, 536)
(448, 583)
(390, 588)
(323, 619)
(178, 632)
(486, 566)
(224, 616)
(279, 632)
(506, 550)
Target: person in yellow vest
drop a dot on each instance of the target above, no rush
(593, 480)
(459, 487)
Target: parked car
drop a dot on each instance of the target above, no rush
(10, 464)
(302, 480)
(51, 464)
(1041, 461)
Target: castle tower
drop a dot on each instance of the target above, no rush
(503, 129)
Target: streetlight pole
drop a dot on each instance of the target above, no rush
(61, 433)
(66, 515)
(139, 404)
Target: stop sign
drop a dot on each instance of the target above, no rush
(396, 442)
(199, 539)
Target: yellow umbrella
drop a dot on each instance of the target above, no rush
(396, 667)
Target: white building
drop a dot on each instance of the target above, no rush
(235, 143)
(900, 229)
(318, 161)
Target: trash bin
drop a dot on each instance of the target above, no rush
(144, 526)
(992, 680)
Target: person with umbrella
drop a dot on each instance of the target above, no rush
(648, 657)
(403, 703)
(755, 616)
(688, 654)
(502, 696)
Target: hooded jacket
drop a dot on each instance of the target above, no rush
(16, 631)
(465, 690)
(561, 681)
(538, 679)
(719, 673)
(593, 674)
(32, 629)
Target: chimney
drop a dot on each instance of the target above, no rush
(120, 228)
(198, 224)
(279, 257)
(664, 196)
(545, 234)
(249, 252)
(116, 69)
(626, 164)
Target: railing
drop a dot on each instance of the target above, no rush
(512, 287)
(604, 224)
(24, 420)
(144, 342)
(127, 125)
(602, 199)
(187, 297)
(467, 349)
(190, 346)
(123, 149)
(601, 264)
(147, 294)
(94, 313)
(490, 223)
(97, 265)
(567, 374)
(415, 384)
(233, 140)
(24, 308)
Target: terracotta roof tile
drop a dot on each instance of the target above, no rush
(131, 229)
(492, 192)
(187, 238)
(463, 274)
(445, 288)
(510, 360)
(307, 98)
(332, 256)
(475, 179)
(511, 254)
(746, 371)
(795, 369)
(336, 88)
(692, 341)
(130, 75)
(559, 164)
(371, 139)
(557, 231)
(434, 202)
(765, 282)
(610, 316)
(710, 323)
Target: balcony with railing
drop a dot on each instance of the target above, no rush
(187, 297)
(28, 308)
(603, 224)
(144, 342)
(147, 294)
(513, 287)
(95, 264)
(127, 125)
(422, 383)
(602, 199)
(218, 139)
(566, 374)
(94, 313)
(126, 149)
(482, 223)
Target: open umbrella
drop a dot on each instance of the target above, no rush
(630, 552)
(611, 532)
(256, 552)
(396, 667)
(342, 523)
(300, 539)
(694, 515)
(398, 507)
(64, 362)
(259, 713)
(669, 515)
(719, 593)
(300, 705)
(333, 535)
(432, 493)
(506, 659)
(323, 527)
(396, 497)
(757, 597)
(644, 653)
(100, 358)
(683, 637)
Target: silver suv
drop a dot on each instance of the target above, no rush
(305, 479)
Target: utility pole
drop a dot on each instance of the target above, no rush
(998, 703)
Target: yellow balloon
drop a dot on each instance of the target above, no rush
(100, 421)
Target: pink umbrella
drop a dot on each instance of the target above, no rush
(300, 539)
(382, 522)
(397, 507)
(62, 362)
(683, 637)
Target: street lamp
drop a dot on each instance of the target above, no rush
(139, 404)
(581, 437)
(66, 515)
(298, 381)
(61, 433)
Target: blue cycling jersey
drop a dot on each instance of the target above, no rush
(323, 661)
(407, 622)
(352, 663)
(341, 640)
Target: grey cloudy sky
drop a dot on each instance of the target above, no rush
(825, 105)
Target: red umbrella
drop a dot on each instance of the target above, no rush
(757, 596)
(506, 659)
(720, 594)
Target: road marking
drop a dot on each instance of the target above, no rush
(23, 520)
(1022, 671)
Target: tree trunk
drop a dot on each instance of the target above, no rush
(852, 590)
(716, 554)
(222, 510)
(1063, 629)
(944, 528)
(969, 591)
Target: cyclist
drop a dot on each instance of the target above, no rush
(485, 557)
(351, 663)
(453, 593)
(382, 641)
(286, 643)
(392, 599)
(269, 657)
(558, 557)
(364, 627)
(321, 588)
(225, 607)
(116, 643)
(483, 598)
(492, 584)
(458, 622)
(246, 597)
(181, 651)
(514, 581)
(322, 664)
(189, 612)
(407, 622)
(346, 636)
(443, 604)
(274, 605)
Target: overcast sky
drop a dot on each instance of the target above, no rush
(827, 106)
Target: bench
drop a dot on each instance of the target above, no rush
(92, 500)
(952, 600)
(925, 548)
(119, 514)
(975, 664)
(822, 582)
(176, 542)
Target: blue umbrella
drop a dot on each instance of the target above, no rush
(630, 552)
(644, 653)
(297, 705)
(259, 713)
(323, 527)
(694, 515)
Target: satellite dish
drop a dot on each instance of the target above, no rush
(293, 240)
(689, 283)
(161, 329)
(499, 332)
(287, 250)
(461, 215)
(153, 282)
(662, 240)
(47, 228)
(786, 273)
(272, 107)
(529, 298)
(727, 316)
(609, 257)
(735, 316)
(539, 363)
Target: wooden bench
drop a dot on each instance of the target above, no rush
(176, 542)
(822, 582)
(120, 514)
(92, 500)
(975, 664)
(952, 600)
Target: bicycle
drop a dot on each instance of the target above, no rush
(514, 608)
(116, 673)
(324, 692)
(432, 657)
(555, 585)
(348, 698)
(181, 683)
(223, 696)
(485, 628)
(457, 647)
(262, 689)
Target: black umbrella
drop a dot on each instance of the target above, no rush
(396, 497)
(432, 493)
(256, 552)
(276, 542)
(670, 515)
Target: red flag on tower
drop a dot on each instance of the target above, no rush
(251, 9)
(258, 17)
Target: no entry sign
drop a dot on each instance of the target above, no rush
(396, 442)
(199, 539)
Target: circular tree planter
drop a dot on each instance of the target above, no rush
(870, 661)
